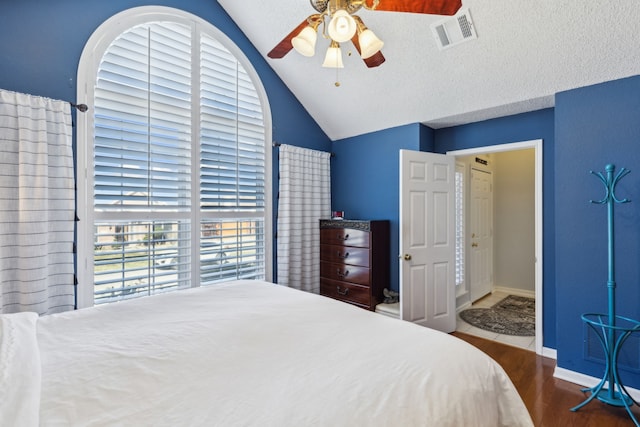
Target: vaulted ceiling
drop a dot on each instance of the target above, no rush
(526, 51)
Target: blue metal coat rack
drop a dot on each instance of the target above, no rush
(612, 330)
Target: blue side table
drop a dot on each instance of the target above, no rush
(612, 333)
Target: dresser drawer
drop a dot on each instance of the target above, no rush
(347, 292)
(344, 236)
(345, 273)
(345, 255)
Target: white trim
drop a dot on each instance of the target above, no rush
(512, 146)
(536, 144)
(551, 353)
(389, 309)
(513, 291)
(92, 53)
(463, 306)
(588, 381)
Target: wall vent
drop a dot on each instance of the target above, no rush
(454, 30)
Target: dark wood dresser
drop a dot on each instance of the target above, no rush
(354, 261)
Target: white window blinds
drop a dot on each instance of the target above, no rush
(143, 121)
(232, 135)
(179, 140)
(460, 228)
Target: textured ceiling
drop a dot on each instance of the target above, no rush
(526, 52)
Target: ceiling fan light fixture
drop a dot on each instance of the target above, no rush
(340, 23)
(342, 26)
(370, 44)
(333, 57)
(305, 42)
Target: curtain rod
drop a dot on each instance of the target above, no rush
(277, 144)
(80, 107)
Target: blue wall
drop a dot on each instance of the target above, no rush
(596, 125)
(365, 179)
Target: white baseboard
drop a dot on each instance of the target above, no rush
(551, 353)
(513, 291)
(463, 306)
(588, 381)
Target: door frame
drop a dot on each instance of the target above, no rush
(536, 144)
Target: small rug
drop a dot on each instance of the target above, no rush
(514, 315)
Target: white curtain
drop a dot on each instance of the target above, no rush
(37, 206)
(304, 198)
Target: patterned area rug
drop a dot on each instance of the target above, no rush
(514, 315)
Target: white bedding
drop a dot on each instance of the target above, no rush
(19, 370)
(251, 353)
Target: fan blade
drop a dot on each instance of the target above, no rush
(374, 60)
(432, 7)
(285, 45)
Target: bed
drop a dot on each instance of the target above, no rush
(244, 353)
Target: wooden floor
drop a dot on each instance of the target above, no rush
(547, 398)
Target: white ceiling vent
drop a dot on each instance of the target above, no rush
(454, 30)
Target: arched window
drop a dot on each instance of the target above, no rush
(175, 147)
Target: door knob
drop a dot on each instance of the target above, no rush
(407, 257)
(474, 245)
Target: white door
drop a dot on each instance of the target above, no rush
(427, 239)
(481, 234)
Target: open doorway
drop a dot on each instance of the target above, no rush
(514, 265)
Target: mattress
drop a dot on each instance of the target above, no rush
(246, 353)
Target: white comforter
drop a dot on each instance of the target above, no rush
(20, 374)
(256, 354)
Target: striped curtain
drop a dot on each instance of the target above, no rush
(304, 198)
(36, 205)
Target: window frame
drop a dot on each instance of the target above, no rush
(92, 54)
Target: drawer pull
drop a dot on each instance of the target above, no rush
(345, 256)
(341, 237)
(343, 292)
(340, 274)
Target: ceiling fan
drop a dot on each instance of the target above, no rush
(344, 26)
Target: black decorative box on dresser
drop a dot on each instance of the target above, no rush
(354, 261)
